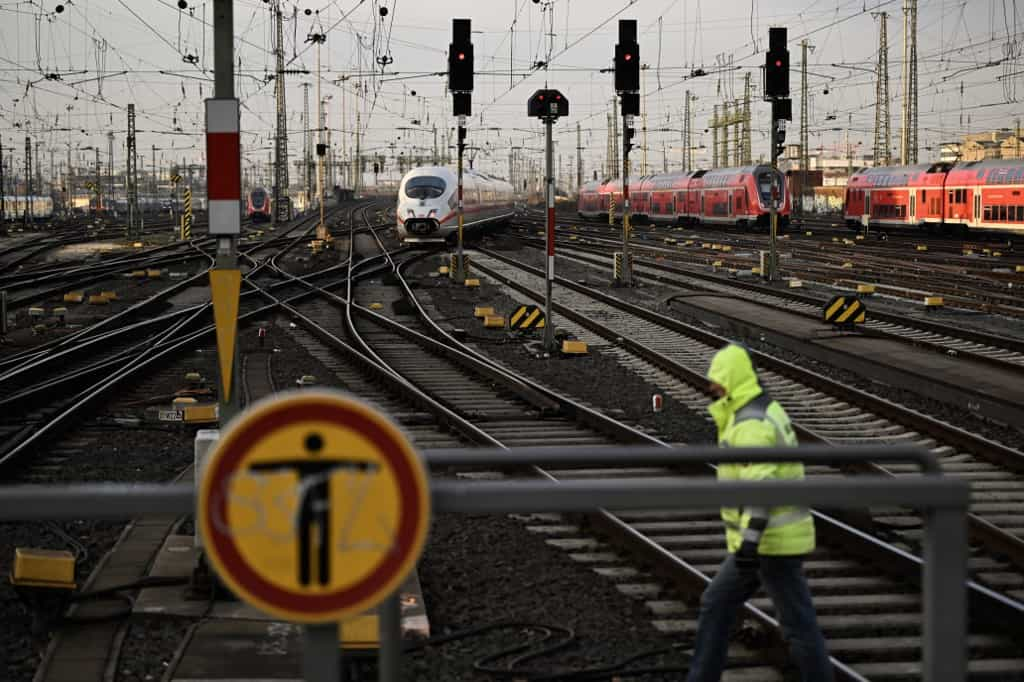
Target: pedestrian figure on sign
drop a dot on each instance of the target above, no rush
(314, 505)
(765, 546)
(262, 334)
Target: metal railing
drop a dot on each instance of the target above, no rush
(942, 501)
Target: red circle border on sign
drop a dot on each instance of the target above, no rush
(227, 462)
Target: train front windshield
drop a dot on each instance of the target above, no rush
(424, 187)
(258, 196)
(764, 186)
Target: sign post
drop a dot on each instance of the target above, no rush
(549, 106)
(314, 508)
(224, 187)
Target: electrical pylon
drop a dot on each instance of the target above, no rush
(908, 135)
(883, 135)
(281, 205)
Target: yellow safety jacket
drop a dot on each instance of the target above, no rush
(748, 417)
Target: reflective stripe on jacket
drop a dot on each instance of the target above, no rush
(748, 417)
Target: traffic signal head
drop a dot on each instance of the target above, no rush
(782, 109)
(776, 65)
(462, 104)
(321, 149)
(460, 57)
(630, 103)
(627, 58)
(547, 104)
(628, 133)
(780, 141)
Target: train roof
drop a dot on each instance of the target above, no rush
(991, 171)
(450, 177)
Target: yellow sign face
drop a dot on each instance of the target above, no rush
(313, 507)
(225, 285)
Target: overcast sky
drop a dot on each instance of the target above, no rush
(970, 55)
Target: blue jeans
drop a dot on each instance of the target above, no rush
(784, 581)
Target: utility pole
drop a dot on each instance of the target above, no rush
(110, 166)
(280, 203)
(99, 180)
(357, 163)
(39, 167)
(724, 124)
(436, 161)
(714, 137)
(687, 134)
(132, 178)
(776, 91)
(747, 156)
(152, 177)
(849, 149)
(580, 158)
(307, 147)
(321, 149)
(28, 181)
(223, 180)
(908, 136)
(3, 192)
(1017, 153)
(608, 154)
(805, 157)
(643, 118)
(882, 150)
(627, 85)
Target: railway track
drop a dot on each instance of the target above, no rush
(822, 410)
(962, 279)
(940, 336)
(41, 395)
(858, 602)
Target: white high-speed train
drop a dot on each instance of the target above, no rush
(428, 199)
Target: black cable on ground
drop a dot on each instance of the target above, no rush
(512, 669)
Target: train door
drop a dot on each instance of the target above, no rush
(913, 205)
(977, 205)
(867, 202)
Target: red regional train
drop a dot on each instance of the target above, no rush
(725, 196)
(257, 206)
(980, 195)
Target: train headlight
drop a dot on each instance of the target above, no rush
(432, 213)
(412, 213)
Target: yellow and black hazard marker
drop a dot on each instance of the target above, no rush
(186, 218)
(845, 311)
(526, 317)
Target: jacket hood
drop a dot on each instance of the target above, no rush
(733, 369)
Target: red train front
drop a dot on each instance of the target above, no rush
(257, 206)
(726, 196)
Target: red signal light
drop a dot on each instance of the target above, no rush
(778, 63)
(462, 56)
(627, 56)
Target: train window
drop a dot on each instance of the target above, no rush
(988, 213)
(424, 187)
(1002, 213)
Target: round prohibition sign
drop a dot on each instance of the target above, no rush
(313, 506)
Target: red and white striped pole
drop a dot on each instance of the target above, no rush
(224, 167)
(549, 327)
